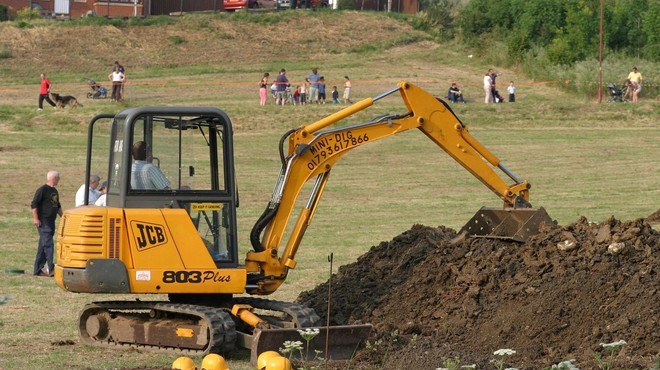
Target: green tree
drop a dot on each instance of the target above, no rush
(651, 28)
(437, 17)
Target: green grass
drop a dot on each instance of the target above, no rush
(583, 159)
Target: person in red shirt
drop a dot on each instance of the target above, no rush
(43, 93)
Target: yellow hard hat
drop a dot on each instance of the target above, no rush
(278, 363)
(184, 363)
(263, 358)
(213, 361)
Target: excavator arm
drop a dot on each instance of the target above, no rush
(314, 149)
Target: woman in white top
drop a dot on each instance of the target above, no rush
(488, 88)
(117, 77)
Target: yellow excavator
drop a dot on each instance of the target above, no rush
(177, 238)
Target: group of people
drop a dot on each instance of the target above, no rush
(117, 77)
(312, 90)
(46, 204)
(492, 95)
(454, 94)
(46, 207)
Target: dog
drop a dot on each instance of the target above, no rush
(63, 101)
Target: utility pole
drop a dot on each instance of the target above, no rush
(600, 56)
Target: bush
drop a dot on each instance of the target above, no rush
(27, 14)
(346, 5)
(4, 16)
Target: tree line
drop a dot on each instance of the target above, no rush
(567, 31)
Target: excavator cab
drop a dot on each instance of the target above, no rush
(192, 149)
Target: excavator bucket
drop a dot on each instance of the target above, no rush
(510, 224)
(343, 341)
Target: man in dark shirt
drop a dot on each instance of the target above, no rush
(282, 83)
(45, 208)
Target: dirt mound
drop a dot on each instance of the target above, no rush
(432, 296)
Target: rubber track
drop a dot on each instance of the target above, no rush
(301, 316)
(223, 331)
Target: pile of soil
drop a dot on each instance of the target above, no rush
(433, 295)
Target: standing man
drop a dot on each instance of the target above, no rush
(314, 85)
(45, 208)
(94, 194)
(282, 83)
(44, 90)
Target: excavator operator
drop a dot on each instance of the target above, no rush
(144, 175)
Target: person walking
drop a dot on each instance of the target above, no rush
(44, 90)
(45, 209)
(263, 88)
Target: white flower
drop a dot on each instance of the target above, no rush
(309, 333)
(291, 346)
(614, 344)
(504, 351)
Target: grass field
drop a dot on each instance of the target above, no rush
(582, 158)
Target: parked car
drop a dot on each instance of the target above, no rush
(283, 4)
(232, 5)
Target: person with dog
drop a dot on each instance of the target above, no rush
(45, 209)
(44, 90)
(144, 175)
(117, 78)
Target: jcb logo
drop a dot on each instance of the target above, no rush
(148, 235)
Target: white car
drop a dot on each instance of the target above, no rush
(283, 3)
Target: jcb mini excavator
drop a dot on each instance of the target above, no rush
(180, 241)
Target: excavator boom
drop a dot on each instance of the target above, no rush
(314, 149)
